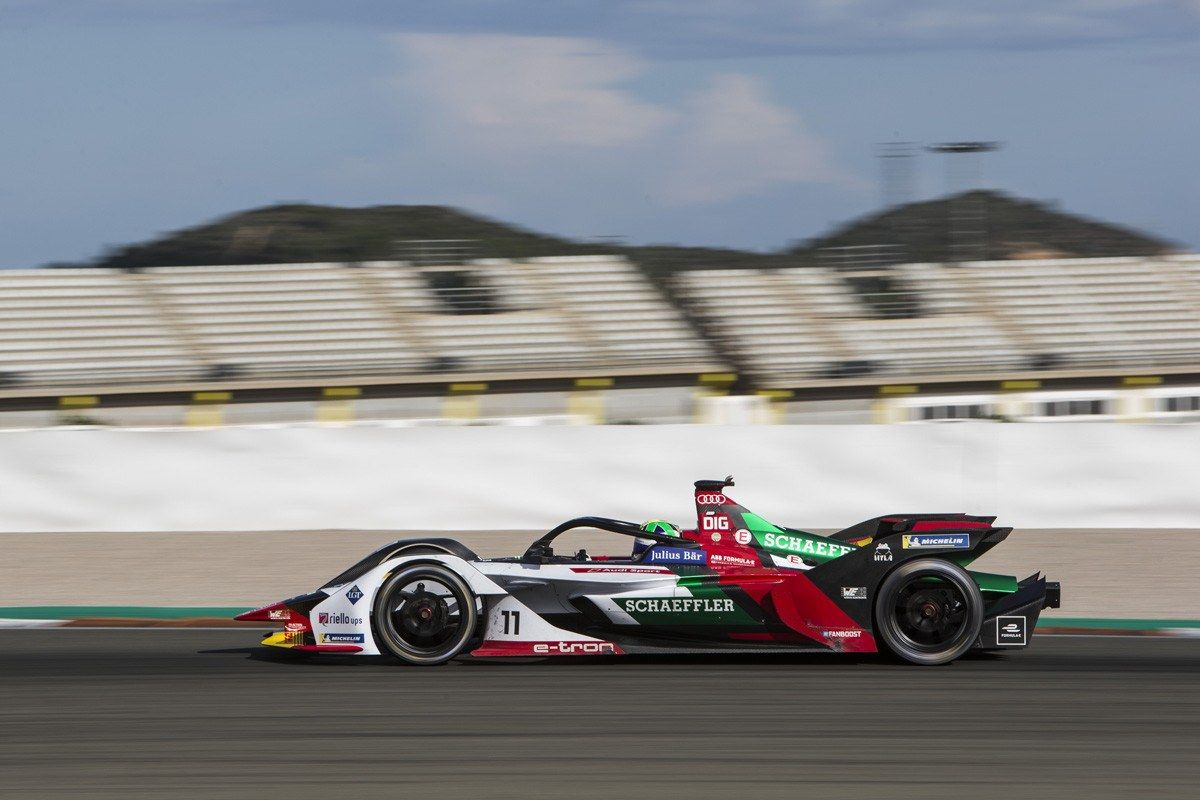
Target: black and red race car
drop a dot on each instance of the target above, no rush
(735, 582)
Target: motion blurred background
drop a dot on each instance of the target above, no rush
(877, 213)
(280, 282)
(855, 200)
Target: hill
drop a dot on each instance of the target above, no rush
(1015, 228)
(1002, 227)
(295, 233)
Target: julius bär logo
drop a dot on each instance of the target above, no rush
(676, 555)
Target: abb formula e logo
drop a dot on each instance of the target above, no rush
(723, 559)
(711, 499)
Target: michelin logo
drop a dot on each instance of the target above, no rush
(953, 541)
(342, 638)
(676, 555)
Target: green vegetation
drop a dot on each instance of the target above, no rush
(300, 233)
(293, 233)
(1008, 227)
(1005, 227)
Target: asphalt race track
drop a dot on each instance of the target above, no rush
(203, 714)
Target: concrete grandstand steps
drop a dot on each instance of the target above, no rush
(795, 325)
(60, 325)
(1093, 310)
(597, 316)
(572, 315)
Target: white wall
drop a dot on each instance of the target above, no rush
(375, 476)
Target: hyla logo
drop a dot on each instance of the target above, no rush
(354, 595)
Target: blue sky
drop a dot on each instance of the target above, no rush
(714, 122)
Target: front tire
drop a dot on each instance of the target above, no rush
(928, 611)
(425, 614)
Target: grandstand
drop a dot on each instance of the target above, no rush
(797, 327)
(544, 317)
(168, 335)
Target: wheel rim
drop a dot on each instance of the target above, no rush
(425, 614)
(930, 615)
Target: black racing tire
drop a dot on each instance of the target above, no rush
(425, 614)
(928, 611)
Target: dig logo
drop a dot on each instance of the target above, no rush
(714, 522)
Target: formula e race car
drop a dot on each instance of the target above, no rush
(734, 583)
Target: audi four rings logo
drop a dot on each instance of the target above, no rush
(711, 499)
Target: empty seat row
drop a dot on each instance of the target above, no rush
(594, 313)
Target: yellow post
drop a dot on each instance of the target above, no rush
(711, 384)
(207, 409)
(776, 404)
(885, 411)
(69, 409)
(462, 401)
(587, 399)
(337, 403)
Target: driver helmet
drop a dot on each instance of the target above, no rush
(660, 526)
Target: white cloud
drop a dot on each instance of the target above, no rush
(521, 91)
(562, 105)
(738, 142)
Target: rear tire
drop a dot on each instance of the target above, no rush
(425, 614)
(928, 611)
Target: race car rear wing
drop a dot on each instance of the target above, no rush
(878, 527)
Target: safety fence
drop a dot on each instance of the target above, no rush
(378, 476)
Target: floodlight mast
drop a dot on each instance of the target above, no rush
(967, 223)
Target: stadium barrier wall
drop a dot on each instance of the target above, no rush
(497, 478)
